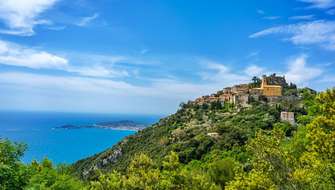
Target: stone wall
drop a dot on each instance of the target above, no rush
(270, 90)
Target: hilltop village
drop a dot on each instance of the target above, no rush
(270, 89)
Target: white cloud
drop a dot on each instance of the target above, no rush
(318, 32)
(20, 16)
(302, 17)
(263, 13)
(95, 82)
(62, 83)
(328, 79)
(158, 95)
(254, 70)
(16, 55)
(108, 66)
(271, 17)
(87, 20)
(87, 65)
(220, 75)
(300, 73)
(47, 92)
(90, 58)
(98, 71)
(320, 4)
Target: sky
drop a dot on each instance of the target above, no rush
(148, 56)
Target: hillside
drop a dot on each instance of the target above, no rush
(266, 142)
(199, 128)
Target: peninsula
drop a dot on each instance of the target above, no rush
(115, 125)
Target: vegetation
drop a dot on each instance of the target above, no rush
(212, 146)
(15, 175)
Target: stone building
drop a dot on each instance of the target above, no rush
(270, 90)
(287, 116)
(241, 99)
(238, 95)
(241, 88)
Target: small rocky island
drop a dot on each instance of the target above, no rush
(115, 125)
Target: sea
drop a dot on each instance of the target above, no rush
(38, 130)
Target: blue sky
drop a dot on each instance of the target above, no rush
(147, 56)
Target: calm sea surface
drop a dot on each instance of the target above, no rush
(36, 129)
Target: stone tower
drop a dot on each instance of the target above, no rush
(270, 90)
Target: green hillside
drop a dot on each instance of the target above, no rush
(204, 146)
(223, 142)
(197, 130)
(221, 146)
(186, 133)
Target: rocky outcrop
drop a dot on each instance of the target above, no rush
(103, 160)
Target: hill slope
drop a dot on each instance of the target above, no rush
(207, 146)
(193, 132)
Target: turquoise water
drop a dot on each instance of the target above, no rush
(36, 129)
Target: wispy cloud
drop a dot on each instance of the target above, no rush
(98, 71)
(320, 4)
(266, 16)
(86, 65)
(157, 94)
(87, 20)
(16, 55)
(161, 96)
(318, 32)
(219, 73)
(214, 74)
(330, 79)
(108, 65)
(254, 70)
(302, 17)
(301, 73)
(271, 17)
(21, 16)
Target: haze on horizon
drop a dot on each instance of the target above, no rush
(148, 56)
